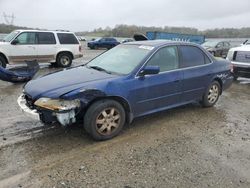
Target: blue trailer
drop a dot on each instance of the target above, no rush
(198, 39)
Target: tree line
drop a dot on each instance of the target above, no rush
(129, 30)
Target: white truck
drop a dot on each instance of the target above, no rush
(240, 58)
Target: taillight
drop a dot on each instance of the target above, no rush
(80, 48)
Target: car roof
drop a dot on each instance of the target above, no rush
(37, 30)
(158, 43)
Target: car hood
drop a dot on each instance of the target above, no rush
(241, 48)
(208, 47)
(56, 84)
(3, 43)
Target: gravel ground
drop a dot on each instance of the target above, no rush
(187, 146)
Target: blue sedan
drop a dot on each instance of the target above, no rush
(126, 82)
(106, 42)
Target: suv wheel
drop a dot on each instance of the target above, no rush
(212, 94)
(104, 119)
(2, 62)
(64, 60)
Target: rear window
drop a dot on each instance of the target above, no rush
(192, 56)
(46, 38)
(67, 38)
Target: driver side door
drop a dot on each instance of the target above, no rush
(24, 47)
(159, 91)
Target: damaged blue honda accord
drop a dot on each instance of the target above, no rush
(131, 80)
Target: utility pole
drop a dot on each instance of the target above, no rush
(9, 19)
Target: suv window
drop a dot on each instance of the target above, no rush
(46, 38)
(67, 38)
(26, 38)
(219, 45)
(166, 58)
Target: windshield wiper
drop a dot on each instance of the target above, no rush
(99, 69)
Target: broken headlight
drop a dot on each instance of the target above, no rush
(57, 104)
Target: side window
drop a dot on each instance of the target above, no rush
(67, 38)
(219, 45)
(46, 38)
(166, 58)
(192, 56)
(226, 44)
(26, 38)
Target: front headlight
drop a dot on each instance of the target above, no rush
(230, 55)
(57, 104)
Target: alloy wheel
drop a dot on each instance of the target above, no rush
(65, 60)
(213, 94)
(108, 121)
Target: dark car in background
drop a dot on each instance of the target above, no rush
(131, 80)
(217, 48)
(105, 42)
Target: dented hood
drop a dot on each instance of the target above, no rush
(56, 84)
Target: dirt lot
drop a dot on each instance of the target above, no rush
(185, 147)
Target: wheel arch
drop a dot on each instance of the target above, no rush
(64, 51)
(125, 104)
(220, 82)
(4, 56)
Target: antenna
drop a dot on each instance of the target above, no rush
(9, 19)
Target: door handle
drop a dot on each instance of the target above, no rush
(31, 47)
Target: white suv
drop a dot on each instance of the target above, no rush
(58, 47)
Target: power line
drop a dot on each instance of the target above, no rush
(9, 19)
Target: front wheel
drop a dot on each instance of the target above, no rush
(104, 119)
(212, 94)
(64, 60)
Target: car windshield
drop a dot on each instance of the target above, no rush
(121, 59)
(97, 39)
(210, 43)
(10, 36)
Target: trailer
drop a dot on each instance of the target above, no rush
(198, 39)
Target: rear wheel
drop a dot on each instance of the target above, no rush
(64, 60)
(235, 78)
(104, 119)
(212, 94)
(3, 62)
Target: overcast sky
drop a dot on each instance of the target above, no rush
(85, 15)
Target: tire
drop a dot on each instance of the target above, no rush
(64, 60)
(235, 78)
(104, 119)
(3, 62)
(212, 94)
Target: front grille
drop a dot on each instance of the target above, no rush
(242, 56)
(29, 101)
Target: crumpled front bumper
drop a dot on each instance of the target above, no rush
(31, 112)
(47, 116)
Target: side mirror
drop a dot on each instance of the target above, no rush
(148, 70)
(14, 42)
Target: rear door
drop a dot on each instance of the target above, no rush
(197, 73)
(46, 48)
(24, 49)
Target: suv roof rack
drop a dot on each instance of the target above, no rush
(62, 30)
